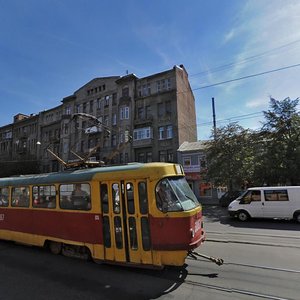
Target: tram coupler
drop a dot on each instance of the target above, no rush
(216, 260)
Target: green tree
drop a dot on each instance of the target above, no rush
(230, 156)
(280, 137)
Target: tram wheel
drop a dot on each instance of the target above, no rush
(55, 247)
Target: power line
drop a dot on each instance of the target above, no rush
(246, 77)
(245, 60)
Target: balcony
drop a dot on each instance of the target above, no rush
(147, 121)
(124, 100)
(142, 143)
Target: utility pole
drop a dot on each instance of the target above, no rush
(214, 117)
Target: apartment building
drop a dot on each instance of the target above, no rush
(157, 113)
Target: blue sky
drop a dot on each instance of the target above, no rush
(49, 49)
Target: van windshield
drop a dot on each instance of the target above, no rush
(174, 194)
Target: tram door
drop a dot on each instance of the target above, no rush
(125, 221)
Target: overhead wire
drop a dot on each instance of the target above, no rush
(242, 61)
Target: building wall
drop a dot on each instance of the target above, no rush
(187, 127)
(157, 110)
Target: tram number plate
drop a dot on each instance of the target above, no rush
(197, 225)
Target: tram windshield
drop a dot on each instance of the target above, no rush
(174, 194)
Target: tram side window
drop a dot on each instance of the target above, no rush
(132, 233)
(118, 232)
(145, 234)
(4, 195)
(75, 196)
(20, 197)
(44, 196)
(130, 198)
(104, 198)
(143, 200)
(116, 197)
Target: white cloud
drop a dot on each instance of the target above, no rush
(256, 103)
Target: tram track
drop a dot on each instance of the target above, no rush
(233, 290)
(254, 239)
(252, 266)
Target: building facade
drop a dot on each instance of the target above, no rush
(157, 113)
(192, 156)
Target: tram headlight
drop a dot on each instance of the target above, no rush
(192, 232)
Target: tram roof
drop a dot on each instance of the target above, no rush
(73, 175)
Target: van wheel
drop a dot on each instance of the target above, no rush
(297, 217)
(243, 216)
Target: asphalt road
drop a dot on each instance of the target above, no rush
(257, 265)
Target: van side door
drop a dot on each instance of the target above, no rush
(277, 204)
(252, 203)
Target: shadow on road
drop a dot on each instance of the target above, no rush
(59, 277)
(215, 213)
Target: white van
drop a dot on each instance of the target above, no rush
(267, 202)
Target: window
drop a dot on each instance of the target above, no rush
(114, 140)
(158, 86)
(84, 107)
(144, 93)
(68, 110)
(169, 131)
(44, 196)
(125, 92)
(121, 137)
(163, 156)
(174, 194)
(160, 109)
(126, 157)
(4, 196)
(116, 198)
(77, 108)
(143, 198)
(82, 146)
(146, 241)
(141, 157)
(114, 119)
(166, 156)
(142, 133)
(124, 113)
(91, 106)
(20, 196)
(105, 120)
(187, 162)
(168, 107)
(202, 163)
(161, 133)
(130, 198)
(168, 84)
(140, 113)
(148, 112)
(114, 99)
(104, 198)
(251, 196)
(276, 195)
(106, 101)
(75, 196)
(149, 157)
(99, 103)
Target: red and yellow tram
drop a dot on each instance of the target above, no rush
(135, 214)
